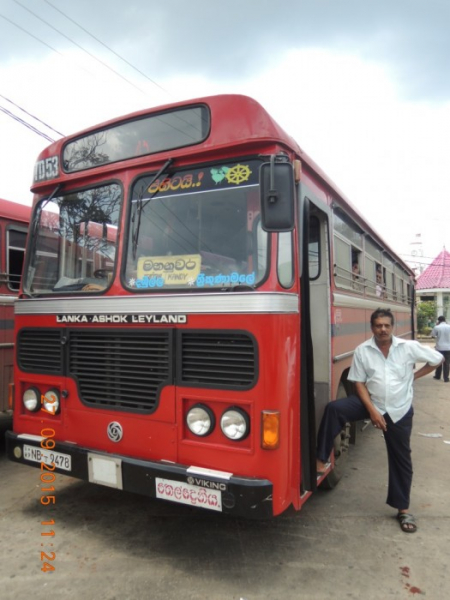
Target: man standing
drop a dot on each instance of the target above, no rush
(442, 334)
(383, 373)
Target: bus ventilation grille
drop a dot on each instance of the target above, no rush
(217, 360)
(120, 370)
(126, 370)
(39, 351)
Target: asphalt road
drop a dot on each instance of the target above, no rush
(345, 543)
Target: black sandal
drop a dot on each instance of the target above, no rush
(407, 522)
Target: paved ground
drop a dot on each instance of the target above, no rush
(344, 544)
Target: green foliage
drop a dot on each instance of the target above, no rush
(426, 316)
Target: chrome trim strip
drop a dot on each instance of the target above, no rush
(225, 302)
(345, 355)
(339, 357)
(7, 300)
(30, 437)
(344, 301)
(11, 345)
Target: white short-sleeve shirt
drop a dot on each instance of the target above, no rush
(442, 333)
(390, 380)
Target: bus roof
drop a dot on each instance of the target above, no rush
(14, 211)
(237, 121)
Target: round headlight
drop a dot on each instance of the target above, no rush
(200, 420)
(235, 424)
(32, 399)
(51, 402)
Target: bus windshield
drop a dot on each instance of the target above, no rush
(73, 242)
(197, 229)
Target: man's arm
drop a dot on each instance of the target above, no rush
(427, 368)
(375, 416)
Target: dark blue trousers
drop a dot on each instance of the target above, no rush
(397, 438)
(445, 365)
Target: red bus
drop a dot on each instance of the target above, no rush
(14, 219)
(189, 305)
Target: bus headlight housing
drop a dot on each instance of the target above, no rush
(32, 399)
(200, 420)
(235, 424)
(51, 402)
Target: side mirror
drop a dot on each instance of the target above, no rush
(277, 196)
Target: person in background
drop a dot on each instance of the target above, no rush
(379, 288)
(383, 373)
(355, 276)
(442, 334)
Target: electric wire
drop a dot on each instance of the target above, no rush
(81, 47)
(22, 122)
(31, 34)
(32, 116)
(42, 42)
(107, 47)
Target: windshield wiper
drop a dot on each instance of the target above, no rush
(140, 205)
(34, 231)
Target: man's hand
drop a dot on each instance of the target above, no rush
(378, 420)
(375, 416)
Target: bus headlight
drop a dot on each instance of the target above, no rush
(200, 420)
(51, 402)
(32, 399)
(235, 424)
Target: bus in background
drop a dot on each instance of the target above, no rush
(14, 219)
(193, 291)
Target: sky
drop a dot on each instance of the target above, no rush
(364, 88)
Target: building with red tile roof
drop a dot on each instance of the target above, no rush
(434, 283)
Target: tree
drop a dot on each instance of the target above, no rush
(426, 314)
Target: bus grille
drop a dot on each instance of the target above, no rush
(126, 370)
(217, 360)
(122, 370)
(39, 351)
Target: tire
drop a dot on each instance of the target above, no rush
(341, 446)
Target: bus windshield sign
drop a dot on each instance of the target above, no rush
(151, 134)
(198, 228)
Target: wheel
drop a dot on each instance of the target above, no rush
(341, 446)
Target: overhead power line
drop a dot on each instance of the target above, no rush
(22, 122)
(81, 47)
(106, 46)
(41, 41)
(31, 35)
(32, 116)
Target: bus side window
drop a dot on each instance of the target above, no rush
(357, 279)
(380, 279)
(348, 244)
(314, 248)
(15, 254)
(342, 259)
(285, 265)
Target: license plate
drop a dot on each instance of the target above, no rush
(105, 470)
(184, 493)
(62, 461)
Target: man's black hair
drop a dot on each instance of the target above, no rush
(381, 312)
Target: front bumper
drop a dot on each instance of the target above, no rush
(203, 488)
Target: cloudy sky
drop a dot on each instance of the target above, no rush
(364, 87)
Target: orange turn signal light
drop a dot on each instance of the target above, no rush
(270, 431)
(11, 396)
